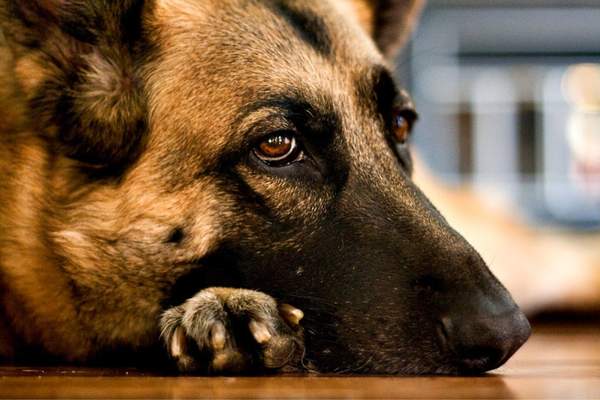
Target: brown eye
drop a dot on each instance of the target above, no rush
(400, 128)
(278, 149)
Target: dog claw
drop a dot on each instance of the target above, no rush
(291, 314)
(217, 335)
(178, 345)
(179, 351)
(259, 331)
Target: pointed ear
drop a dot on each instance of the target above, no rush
(389, 22)
(77, 65)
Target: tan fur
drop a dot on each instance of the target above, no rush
(10, 104)
(365, 14)
(29, 73)
(33, 278)
(389, 21)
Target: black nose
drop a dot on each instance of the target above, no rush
(481, 344)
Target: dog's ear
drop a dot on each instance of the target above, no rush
(389, 22)
(76, 62)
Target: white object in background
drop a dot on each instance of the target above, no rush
(565, 198)
(581, 86)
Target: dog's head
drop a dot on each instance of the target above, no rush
(259, 144)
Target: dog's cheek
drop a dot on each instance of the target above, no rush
(142, 227)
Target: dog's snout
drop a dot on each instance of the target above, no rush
(483, 343)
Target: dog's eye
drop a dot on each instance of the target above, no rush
(400, 126)
(278, 149)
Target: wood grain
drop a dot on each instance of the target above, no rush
(558, 362)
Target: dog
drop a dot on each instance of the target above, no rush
(228, 183)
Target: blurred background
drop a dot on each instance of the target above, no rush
(509, 98)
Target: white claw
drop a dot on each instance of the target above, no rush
(217, 336)
(292, 314)
(178, 343)
(259, 331)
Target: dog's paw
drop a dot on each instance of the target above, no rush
(222, 330)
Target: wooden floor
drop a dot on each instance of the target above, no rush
(557, 363)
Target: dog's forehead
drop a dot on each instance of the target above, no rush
(316, 21)
(217, 56)
(276, 32)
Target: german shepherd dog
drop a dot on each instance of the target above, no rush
(175, 173)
